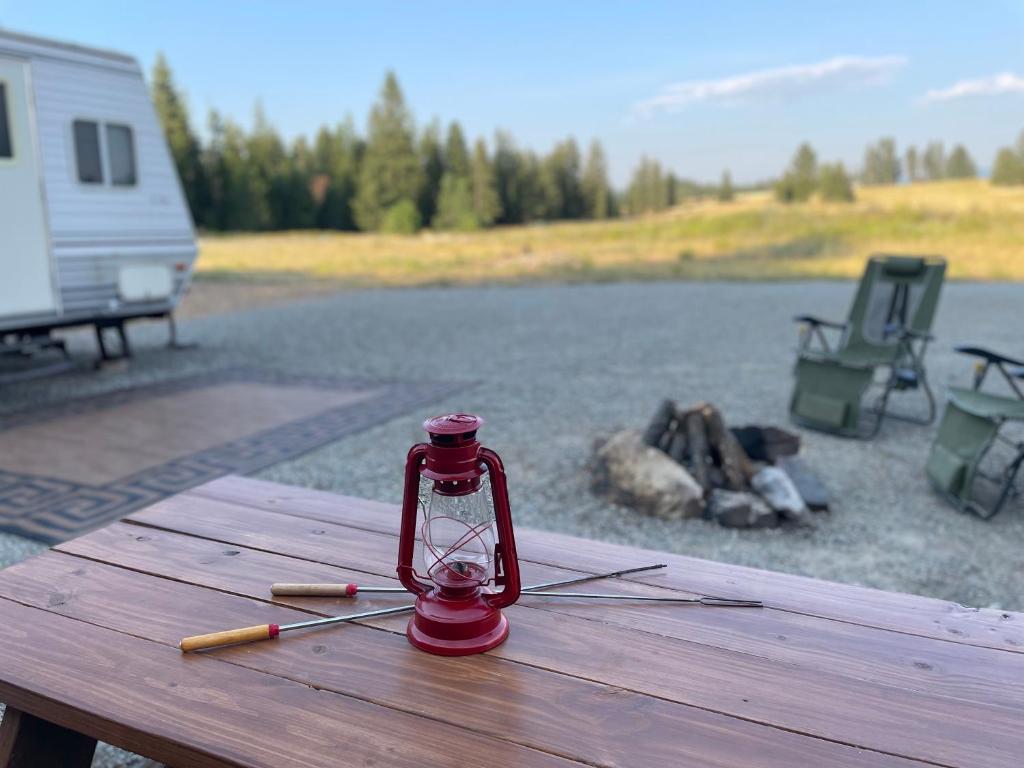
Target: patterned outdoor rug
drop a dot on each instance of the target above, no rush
(70, 467)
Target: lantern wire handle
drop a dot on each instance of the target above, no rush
(472, 532)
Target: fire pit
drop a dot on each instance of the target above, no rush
(688, 463)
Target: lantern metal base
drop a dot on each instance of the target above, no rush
(456, 625)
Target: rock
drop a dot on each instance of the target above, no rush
(739, 509)
(644, 478)
(811, 489)
(778, 490)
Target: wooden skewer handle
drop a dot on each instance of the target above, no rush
(229, 637)
(316, 590)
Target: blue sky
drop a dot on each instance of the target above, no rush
(700, 86)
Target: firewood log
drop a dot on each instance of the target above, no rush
(735, 463)
(656, 433)
(697, 448)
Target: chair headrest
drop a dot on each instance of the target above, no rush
(903, 266)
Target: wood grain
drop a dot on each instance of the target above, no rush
(578, 719)
(909, 614)
(894, 659)
(203, 713)
(825, 704)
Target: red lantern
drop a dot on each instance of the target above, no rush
(459, 487)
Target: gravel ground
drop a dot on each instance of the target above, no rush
(557, 366)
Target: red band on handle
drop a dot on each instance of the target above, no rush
(351, 589)
(273, 630)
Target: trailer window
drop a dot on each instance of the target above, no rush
(6, 150)
(121, 155)
(87, 152)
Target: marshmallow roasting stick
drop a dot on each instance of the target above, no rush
(270, 631)
(351, 590)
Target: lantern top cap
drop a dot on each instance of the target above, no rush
(453, 424)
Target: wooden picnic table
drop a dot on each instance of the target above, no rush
(825, 675)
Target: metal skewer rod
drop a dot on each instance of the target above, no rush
(269, 631)
(328, 590)
(711, 601)
(351, 590)
(595, 577)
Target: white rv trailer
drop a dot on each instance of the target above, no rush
(94, 226)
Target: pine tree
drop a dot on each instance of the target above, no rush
(800, 181)
(336, 157)
(184, 146)
(912, 164)
(267, 161)
(243, 192)
(933, 162)
(456, 207)
(432, 163)
(596, 190)
(725, 192)
(673, 189)
(456, 154)
(881, 163)
(508, 179)
(455, 204)
(533, 201)
(486, 205)
(560, 182)
(834, 184)
(390, 171)
(960, 165)
(1008, 168)
(215, 171)
(290, 196)
(648, 189)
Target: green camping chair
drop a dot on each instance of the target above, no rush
(971, 428)
(888, 329)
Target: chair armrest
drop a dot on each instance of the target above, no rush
(895, 329)
(812, 320)
(990, 356)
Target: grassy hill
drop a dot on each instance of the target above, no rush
(977, 227)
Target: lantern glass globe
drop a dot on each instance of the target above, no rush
(459, 533)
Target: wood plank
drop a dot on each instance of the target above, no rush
(195, 711)
(910, 614)
(28, 742)
(551, 712)
(820, 703)
(924, 664)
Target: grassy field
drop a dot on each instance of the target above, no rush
(977, 227)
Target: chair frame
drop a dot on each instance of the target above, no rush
(909, 354)
(1006, 482)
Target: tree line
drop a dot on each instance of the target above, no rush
(394, 179)
(398, 178)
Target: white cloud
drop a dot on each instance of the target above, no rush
(993, 85)
(776, 82)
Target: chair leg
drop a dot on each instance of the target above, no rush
(1011, 475)
(922, 377)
